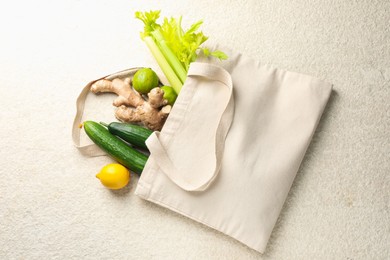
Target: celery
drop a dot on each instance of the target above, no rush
(175, 82)
(170, 56)
(173, 48)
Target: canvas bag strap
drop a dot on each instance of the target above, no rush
(91, 150)
(87, 150)
(202, 180)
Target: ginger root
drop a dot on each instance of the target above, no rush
(132, 107)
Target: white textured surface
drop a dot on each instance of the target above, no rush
(51, 205)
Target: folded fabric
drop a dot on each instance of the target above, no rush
(232, 145)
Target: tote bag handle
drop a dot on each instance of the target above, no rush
(91, 150)
(207, 76)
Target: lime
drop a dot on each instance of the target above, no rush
(169, 94)
(114, 176)
(145, 80)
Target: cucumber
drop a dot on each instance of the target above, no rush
(134, 134)
(116, 148)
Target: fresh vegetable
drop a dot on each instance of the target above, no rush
(145, 80)
(169, 94)
(116, 148)
(114, 176)
(173, 47)
(163, 63)
(134, 134)
(132, 107)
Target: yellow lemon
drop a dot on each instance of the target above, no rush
(145, 80)
(114, 176)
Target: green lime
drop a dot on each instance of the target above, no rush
(145, 80)
(169, 94)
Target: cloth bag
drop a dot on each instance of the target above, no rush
(232, 145)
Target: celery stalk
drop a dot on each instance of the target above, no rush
(173, 79)
(172, 59)
(172, 47)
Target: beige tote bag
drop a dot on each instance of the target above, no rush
(232, 145)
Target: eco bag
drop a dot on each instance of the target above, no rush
(232, 145)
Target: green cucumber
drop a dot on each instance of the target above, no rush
(121, 152)
(134, 134)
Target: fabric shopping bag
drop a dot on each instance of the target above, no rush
(232, 145)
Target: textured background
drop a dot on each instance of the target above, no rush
(52, 206)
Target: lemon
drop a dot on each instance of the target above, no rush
(145, 80)
(114, 176)
(169, 94)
